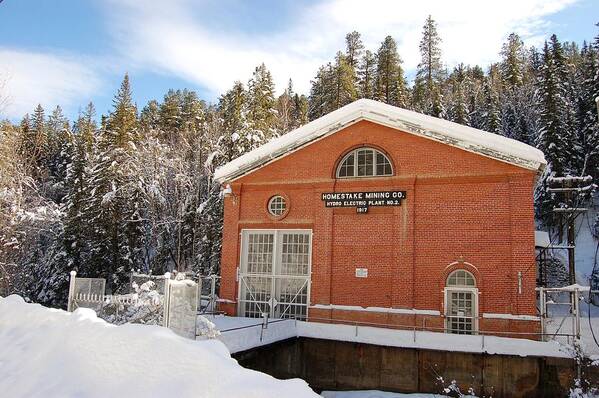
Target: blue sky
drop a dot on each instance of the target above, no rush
(70, 52)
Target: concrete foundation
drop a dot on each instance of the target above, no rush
(339, 365)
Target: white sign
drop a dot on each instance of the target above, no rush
(361, 272)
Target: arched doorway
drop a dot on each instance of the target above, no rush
(461, 303)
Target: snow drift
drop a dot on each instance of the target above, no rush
(52, 353)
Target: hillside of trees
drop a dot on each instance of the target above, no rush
(133, 189)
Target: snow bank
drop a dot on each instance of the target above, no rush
(52, 353)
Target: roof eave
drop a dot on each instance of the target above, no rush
(355, 112)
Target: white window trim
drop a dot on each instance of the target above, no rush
(272, 198)
(354, 152)
(242, 256)
(475, 293)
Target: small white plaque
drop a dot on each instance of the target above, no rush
(361, 272)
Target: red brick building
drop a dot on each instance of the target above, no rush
(383, 215)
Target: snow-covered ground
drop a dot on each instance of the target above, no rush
(52, 353)
(557, 324)
(586, 245)
(240, 334)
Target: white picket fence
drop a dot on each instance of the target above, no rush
(179, 299)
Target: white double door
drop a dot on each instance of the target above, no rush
(274, 274)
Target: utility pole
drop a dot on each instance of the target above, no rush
(571, 187)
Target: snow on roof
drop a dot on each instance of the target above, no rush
(467, 138)
(52, 353)
(542, 239)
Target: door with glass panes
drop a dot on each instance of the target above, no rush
(274, 275)
(461, 303)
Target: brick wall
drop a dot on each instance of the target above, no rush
(462, 210)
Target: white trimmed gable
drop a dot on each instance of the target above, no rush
(467, 138)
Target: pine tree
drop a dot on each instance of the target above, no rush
(354, 48)
(149, 117)
(34, 144)
(261, 104)
(193, 114)
(390, 82)
(554, 137)
(236, 137)
(587, 125)
(513, 61)
(430, 74)
(516, 95)
(292, 109)
(344, 82)
(367, 75)
(115, 204)
(491, 117)
(170, 117)
(75, 235)
(459, 111)
(321, 100)
(121, 128)
(87, 128)
(300, 110)
(59, 151)
(475, 96)
(285, 109)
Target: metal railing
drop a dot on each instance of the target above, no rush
(435, 329)
(402, 327)
(263, 325)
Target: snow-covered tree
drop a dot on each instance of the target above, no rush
(367, 75)
(513, 62)
(116, 199)
(321, 100)
(261, 104)
(428, 91)
(460, 84)
(390, 83)
(344, 87)
(491, 117)
(554, 136)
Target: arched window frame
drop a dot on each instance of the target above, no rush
(467, 274)
(361, 153)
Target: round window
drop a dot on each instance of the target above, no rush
(277, 205)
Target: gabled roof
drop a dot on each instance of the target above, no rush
(467, 138)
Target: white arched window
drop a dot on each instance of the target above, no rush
(364, 162)
(462, 278)
(461, 303)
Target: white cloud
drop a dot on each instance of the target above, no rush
(164, 36)
(46, 78)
